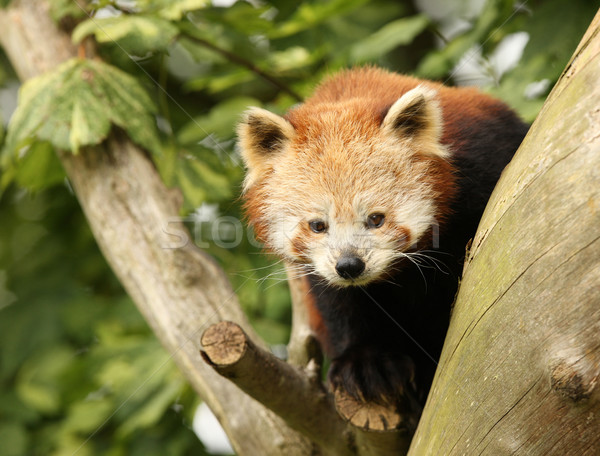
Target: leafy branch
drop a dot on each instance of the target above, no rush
(140, 33)
(76, 104)
(241, 61)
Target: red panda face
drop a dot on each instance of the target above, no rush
(338, 189)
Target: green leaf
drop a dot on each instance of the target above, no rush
(14, 410)
(171, 9)
(569, 25)
(152, 409)
(215, 83)
(69, 444)
(309, 15)
(88, 415)
(75, 106)
(60, 9)
(200, 182)
(135, 34)
(291, 59)
(437, 63)
(38, 385)
(38, 168)
(220, 122)
(396, 33)
(81, 128)
(14, 439)
(174, 10)
(246, 19)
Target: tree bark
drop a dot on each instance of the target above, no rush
(296, 395)
(520, 369)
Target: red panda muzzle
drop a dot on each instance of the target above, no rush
(349, 266)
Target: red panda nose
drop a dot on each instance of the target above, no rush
(349, 267)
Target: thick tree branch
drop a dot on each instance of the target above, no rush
(296, 395)
(520, 369)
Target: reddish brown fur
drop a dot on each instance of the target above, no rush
(370, 92)
(253, 205)
(362, 98)
(316, 323)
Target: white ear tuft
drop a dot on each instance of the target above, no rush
(262, 136)
(417, 115)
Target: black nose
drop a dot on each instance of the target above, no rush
(350, 267)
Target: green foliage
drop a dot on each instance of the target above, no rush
(75, 106)
(203, 165)
(540, 60)
(396, 33)
(72, 107)
(38, 168)
(79, 369)
(439, 63)
(60, 9)
(134, 34)
(313, 14)
(171, 9)
(77, 358)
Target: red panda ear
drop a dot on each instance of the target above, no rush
(262, 135)
(417, 115)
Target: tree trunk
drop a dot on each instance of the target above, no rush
(520, 369)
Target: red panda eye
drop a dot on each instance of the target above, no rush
(318, 226)
(375, 220)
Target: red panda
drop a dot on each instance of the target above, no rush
(373, 187)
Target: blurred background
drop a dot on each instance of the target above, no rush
(80, 371)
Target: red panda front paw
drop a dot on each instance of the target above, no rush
(369, 375)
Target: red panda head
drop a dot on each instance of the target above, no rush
(347, 187)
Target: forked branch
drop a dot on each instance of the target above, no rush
(298, 396)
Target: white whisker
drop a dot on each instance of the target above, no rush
(412, 260)
(435, 262)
